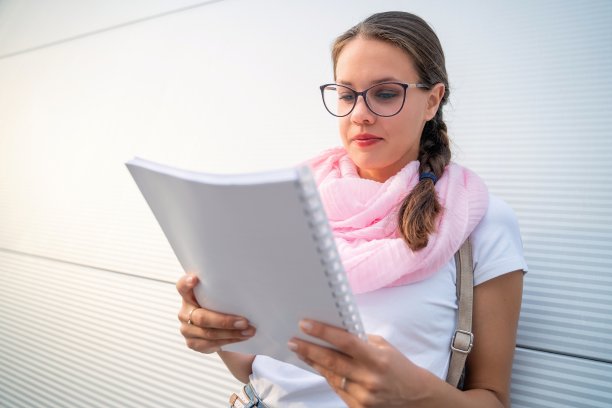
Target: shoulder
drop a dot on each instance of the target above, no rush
(497, 243)
(498, 215)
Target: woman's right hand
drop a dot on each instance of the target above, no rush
(204, 330)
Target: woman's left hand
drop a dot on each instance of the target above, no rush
(363, 374)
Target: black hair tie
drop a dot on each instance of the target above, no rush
(428, 175)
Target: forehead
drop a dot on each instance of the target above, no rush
(364, 61)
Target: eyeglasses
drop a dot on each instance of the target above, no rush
(384, 99)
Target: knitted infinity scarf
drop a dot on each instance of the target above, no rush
(363, 217)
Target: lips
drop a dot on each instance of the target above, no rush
(363, 137)
(364, 140)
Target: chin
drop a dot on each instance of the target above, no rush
(367, 162)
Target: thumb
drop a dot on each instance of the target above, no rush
(185, 286)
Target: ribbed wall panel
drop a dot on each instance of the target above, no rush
(530, 112)
(83, 337)
(544, 380)
(542, 141)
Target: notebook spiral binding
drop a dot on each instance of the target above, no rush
(330, 259)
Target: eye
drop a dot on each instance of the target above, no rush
(386, 94)
(346, 96)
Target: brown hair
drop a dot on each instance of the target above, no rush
(420, 209)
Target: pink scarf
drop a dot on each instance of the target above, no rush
(363, 217)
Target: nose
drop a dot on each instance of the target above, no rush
(361, 113)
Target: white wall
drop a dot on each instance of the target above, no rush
(87, 303)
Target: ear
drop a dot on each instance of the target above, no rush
(436, 93)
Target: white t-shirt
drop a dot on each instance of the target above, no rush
(418, 319)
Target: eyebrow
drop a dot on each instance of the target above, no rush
(377, 81)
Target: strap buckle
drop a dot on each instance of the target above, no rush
(463, 341)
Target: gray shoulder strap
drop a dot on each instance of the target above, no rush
(463, 339)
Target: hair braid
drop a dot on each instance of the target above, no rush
(421, 208)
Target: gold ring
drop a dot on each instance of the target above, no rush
(343, 384)
(189, 321)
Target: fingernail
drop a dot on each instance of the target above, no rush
(241, 324)
(292, 346)
(305, 325)
(190, 280)
(249, 332)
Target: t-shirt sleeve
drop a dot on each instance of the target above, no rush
(496, 243)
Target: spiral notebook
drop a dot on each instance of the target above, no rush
(261, 246)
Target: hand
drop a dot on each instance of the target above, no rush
(363, 374)
(204, 330)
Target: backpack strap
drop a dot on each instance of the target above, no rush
(463, 339)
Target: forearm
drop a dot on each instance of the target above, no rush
(437, 393)
(240, 365)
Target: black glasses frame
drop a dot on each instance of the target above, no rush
(365, 99)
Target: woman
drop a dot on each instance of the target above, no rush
(399, 210)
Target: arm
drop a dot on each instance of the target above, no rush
(240, 365)
(497, 304)
(377, 374)
(207, 331)
(496, 311)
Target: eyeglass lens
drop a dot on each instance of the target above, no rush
(384, 99)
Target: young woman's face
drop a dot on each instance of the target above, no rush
(381, 146)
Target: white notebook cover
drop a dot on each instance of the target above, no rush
(260, 244)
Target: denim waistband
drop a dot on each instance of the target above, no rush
(253, 402)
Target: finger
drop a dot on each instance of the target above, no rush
(346, 391)
(206, 318)
(193, 331)
(333, 378)
(348, 399)
(185, 286)
(348, 395)
(331, 361)
(344, 341)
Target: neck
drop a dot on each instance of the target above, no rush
(380, 175)
(383, 174)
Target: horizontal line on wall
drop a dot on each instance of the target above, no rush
(103, 30)
(561, 353)
(48, 258)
